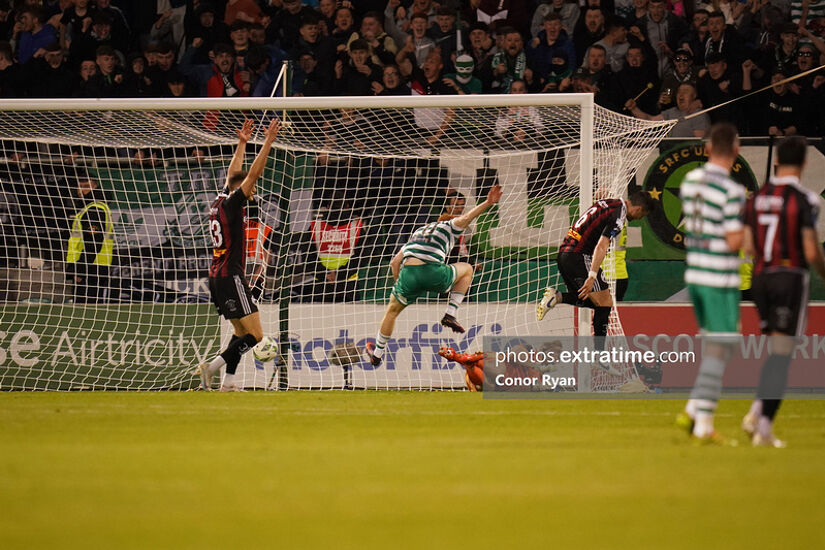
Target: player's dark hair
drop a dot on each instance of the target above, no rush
(643, 199)
(791, 151)
(552, 16)
(455, 197)
(236, 179)
(716, 13)
(723, 136)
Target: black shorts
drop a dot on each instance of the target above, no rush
(232, 297)
(781, 296)
(574, 267)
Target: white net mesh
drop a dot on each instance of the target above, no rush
(343, 190)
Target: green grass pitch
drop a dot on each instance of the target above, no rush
(396, 470)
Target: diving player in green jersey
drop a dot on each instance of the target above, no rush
(420, 266)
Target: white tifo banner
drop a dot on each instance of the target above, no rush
(411, 360)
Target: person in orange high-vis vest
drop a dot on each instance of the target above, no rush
(258, 254)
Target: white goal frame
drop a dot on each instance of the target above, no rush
(585, 103)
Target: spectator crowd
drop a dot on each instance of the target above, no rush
(654, 59)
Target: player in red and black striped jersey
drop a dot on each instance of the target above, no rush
(605, 217)
(227, 226)
(582, 252)
(780, 234)
(227, 284)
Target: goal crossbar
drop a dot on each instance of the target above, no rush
(296, 103)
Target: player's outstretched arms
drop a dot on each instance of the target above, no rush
(258, 165)
(492, 198)
(244, 135)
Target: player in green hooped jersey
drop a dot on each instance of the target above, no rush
(712, 207)
(420, 267)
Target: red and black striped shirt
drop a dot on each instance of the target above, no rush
(776, 214)
(605, 218)
(227, 223)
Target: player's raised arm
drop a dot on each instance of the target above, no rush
(244, 134)
(492, 198)
(258, 165)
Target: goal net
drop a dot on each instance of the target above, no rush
(105, 245)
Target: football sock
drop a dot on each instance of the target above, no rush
(570, 298)
(708, 385)
(773, 380)
(231, 367)
(219, 361)
(690, 408)
(601, 317)
(236, 348)
(704, 422)
(247, 343)
(380, 345)
(229, 379)
(706, 391)
(765, 426)
(770, 407)
(756, 408)
(216, 364)
(455, 300)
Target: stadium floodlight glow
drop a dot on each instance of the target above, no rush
(349, 179)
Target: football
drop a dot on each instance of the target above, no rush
(266, 349)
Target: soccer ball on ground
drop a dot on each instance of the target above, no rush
(266, 349)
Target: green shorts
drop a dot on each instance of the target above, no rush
(416, 280)
(717, 309)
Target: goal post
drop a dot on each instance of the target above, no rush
(104, 253)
